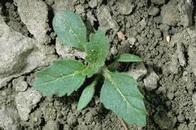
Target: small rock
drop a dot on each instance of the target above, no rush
(16, 48)
(191, 125)
(34, 14)
(159, 2)
(151, 80)
(67, 127)
(153, 11)
(186, 12)
(170, 14)
(20, 54)
(7, 119)
(113, 50)
(51, 125)
(88, 117)
(91, 18)
(63, 4)
(180, 118)
(121, 35)
(194, 100)
(105, 19)
(192, 61)
(183, 126)
(137, 71)
(143, 23)
(71, 119)
(192, 49)
(125, 7)
(79, 9)
(131, 41)
(82, 127)
(180, 52)
(174, 65)
(170, 95)
(26, 101)
(93, 3)
(19, 84)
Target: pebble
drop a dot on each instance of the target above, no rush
(125, 7)
(93, 3)
(80, 9)
(194, 101)
(19, 84)
(7, 121)
(105, 19)
(159, 2)
(137, 71)
(170, 14)
(153, 11)
(151, 80)
(26, 101)
(51, 125)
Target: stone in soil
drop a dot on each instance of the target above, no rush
(125, 7)
(159, 2)
(153, 11)
(170, 14)
(8, 119)
(194, 100)
(34, 14)
(105, 19)
(26, 101)
(93, 3)
(19, 84)
(186, 12)
(51, 125)
(151, 81)
(137, 71)
(20, 54)
(192, 50)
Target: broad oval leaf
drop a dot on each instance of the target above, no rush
(61, 78)
(87, 95)
(120, 94)
(129, 58)
(70, 29)
(97, 51)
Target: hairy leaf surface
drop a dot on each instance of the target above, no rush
(61, 78)
(87, 95)
(129, 58)
(120, 94)
(70, 29)
(97, 51)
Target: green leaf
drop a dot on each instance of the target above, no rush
(70, 29)
(129, 58)
(61, 78)
(86, 96)
(120, 94)
(97, 51)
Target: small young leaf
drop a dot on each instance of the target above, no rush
(70, 29)
(97, 51)
(61, 78)
(129, 58)
(86, 96)
(120, 94)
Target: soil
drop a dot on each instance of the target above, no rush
(170, 104)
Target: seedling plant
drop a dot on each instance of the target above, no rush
(119, 92)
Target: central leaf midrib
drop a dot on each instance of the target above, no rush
(63, 76)
(124, 98)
